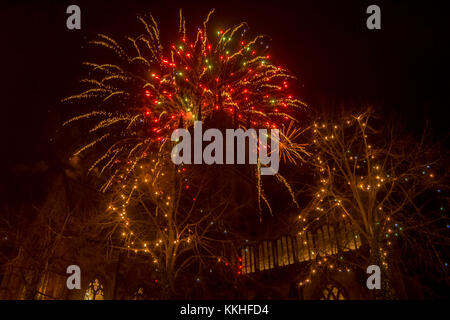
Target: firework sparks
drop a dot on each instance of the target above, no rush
(153, 90)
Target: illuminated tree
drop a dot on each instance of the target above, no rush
(176, 218)
(383, 185)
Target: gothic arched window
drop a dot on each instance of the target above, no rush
(94, 291)
(332, 292)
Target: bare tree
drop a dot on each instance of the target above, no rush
(46, 237)
(176, 217)
(383, 184)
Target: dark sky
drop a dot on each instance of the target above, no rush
(326, 44)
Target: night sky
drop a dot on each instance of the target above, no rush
(402, 67)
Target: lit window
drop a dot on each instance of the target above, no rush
(332, 292)
(94, 291)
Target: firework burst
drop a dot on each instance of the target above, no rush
(153, 90)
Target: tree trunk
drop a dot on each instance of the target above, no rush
(387, 291)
